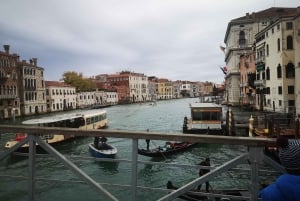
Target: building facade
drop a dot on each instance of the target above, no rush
(60, 96)
(9, 86)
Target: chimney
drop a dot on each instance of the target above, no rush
(34, 61)
(6, 48)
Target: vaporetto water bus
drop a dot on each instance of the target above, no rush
(206, 118)
(89, 119)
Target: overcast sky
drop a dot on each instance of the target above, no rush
(174, 39)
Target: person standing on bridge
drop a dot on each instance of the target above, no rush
(286, 186)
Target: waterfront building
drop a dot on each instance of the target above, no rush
(185, 88)
(176, 89)
(60, 96)
(194, 92)
(131, 87)
(239, 40)
(85, 99)
(276, 60)
(152, 88)
(9, 87)
(247, 78)
(111, 97)
(164, 89)
(297, 60)
(32, 90)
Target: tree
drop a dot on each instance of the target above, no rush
(77, 80)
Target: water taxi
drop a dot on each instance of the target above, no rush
(89, 119)
(206, 118)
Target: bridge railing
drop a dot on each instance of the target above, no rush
(254, 156)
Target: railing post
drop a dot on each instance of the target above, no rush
(134, 169)
(31, 167)
(251, 121)
(255, 158)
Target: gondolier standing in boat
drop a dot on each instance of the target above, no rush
(202, 172)
(148, 141)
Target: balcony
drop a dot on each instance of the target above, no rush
(260, 60)
(260, 83)
(8, 96)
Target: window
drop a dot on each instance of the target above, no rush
(289, 25)
(290, 89)
(279, 102)
(279, 74)
(267, 49)
(279, 89)
(289, 43)
(242, 40)
(290, 70)
(278, 27)
(268, 73)
(278, 44)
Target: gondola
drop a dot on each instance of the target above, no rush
(194, 195)
(168, 149)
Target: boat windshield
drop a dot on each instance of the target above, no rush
(201, 116)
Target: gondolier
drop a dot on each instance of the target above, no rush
(202, 172)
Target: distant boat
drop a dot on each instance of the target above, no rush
(206, 118)
(102, 149)
(91, 119)
(168, 149)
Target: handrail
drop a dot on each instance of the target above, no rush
(254, 157)
(210, 139)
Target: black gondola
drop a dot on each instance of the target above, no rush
(168, 149)
(194, 195)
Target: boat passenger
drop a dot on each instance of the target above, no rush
(286, 186)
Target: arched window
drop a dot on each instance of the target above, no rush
(268, 73)
(242, 40)
(279, 73)
(290, 70)
(289, 43)
(278, 44)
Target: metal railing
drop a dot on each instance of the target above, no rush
(254, 157)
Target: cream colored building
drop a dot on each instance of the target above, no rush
(32, 88)
(239, 40)
(276, 59)
(60, 96)
(138, 85)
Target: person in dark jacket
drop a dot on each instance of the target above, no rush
(286, 186)
(203, 171)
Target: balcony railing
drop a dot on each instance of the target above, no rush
(260, 83)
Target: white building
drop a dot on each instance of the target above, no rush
(60, 96)
(138, 85)
(112, 97)
(85, 99)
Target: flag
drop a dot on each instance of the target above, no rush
(224, 69)
(222, 49)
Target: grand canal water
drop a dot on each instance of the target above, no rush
(166, 116)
